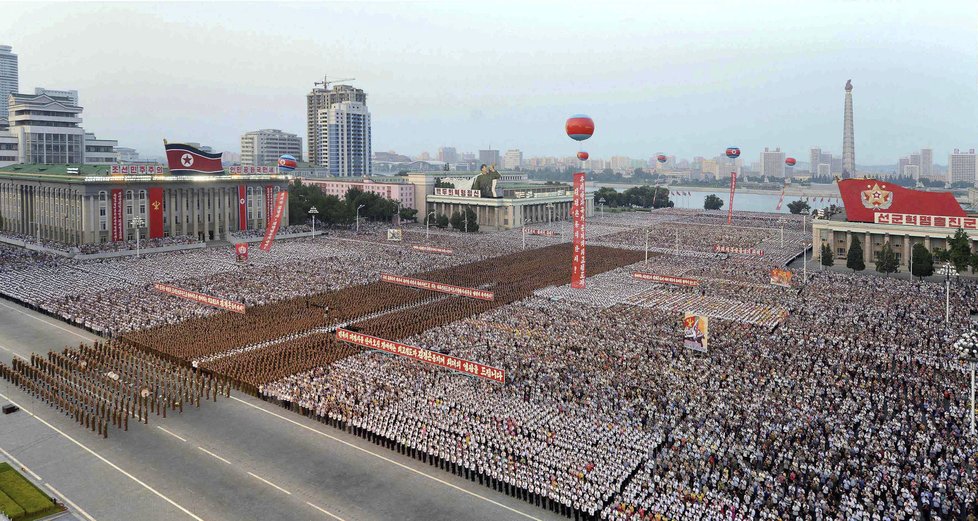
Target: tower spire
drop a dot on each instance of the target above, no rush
(848, 139)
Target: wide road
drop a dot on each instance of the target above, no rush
(237, 459)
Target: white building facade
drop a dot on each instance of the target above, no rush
(961, 167)
(772, 163)
(344, 139)
(9, 80)
(513, 159)
(264, 147)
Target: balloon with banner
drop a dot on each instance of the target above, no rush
(696, 332)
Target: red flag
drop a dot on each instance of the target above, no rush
(185, 159)
(156, 212)
(242, 207)
(865, 197)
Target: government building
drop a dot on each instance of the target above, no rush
(88, 204)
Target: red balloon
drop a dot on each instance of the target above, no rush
(579, 127)
(661, 158)
(582, 155)
(790, 161)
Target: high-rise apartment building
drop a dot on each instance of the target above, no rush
(72, 95)
(344, 138)
(323, 98)
(448, 154)
(772, 163)
(814, 159)
(902, 166)
(9, 80)
(961, 167)
(823, 170)
(513, 159)
(489, 157)
(264, 147)
(926, 162)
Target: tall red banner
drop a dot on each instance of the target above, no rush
(733, 187)
(118, 228)
(274, 222)
(781, 199)
(242, 207)
(269, 202)
(156, 212)
(579, 212)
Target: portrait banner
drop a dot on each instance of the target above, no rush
(241, 251)
(781, 278)
(461, 365)
(696, 332)
(437, 286)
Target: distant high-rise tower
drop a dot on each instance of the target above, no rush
(848, 141)
(9, 80)
(324, 98)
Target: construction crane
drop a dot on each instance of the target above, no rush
(326, 83)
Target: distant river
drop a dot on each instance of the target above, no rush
(742, 201)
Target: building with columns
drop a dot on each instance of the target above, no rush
(838, 235)
(86, 204)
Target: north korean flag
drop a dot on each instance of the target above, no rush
(185, 159)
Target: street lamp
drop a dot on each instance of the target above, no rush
(551, 207)
(358, 216)
(948, 271)
(968, 352)
(313, 212)
(427, 226)
(601, 202)
(137, 223)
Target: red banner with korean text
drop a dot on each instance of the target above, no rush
(269, 202)
(438, 286)
(719, 248)
(118, 228)
(156, 212)
(733, 188)
(275, 221)
(200, 298)
(242, 207)
(545, 233)
(432, 249)
(579, 212)
(423, 355)
(665, 279)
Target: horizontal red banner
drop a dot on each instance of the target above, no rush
(665, 279)
(432, 249)
(737, 250)
(933, 221)
(200, 298)
(546, 233)
(437, 286)
(423, 355)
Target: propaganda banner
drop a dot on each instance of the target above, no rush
(437, 286)
(461, 365)
(665, 279)
(932, 221)
(156, 218)
(395, 234)
(242, 207)
(781, 199)
(696, 332)
(200, 298)
(118, 227)
(733, 188)
(719, 248)
(432, 249)
(275, 220)
(781, 278)
(269, 202)
(241, 251)
(579, 212)
(545, 233)
(866, 199)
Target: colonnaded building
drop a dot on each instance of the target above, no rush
(514, 203)
(104, 203)
(879, 212)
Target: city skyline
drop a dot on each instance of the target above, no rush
(692, 94)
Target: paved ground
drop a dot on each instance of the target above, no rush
(238, 459)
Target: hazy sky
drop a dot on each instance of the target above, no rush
(684, 78)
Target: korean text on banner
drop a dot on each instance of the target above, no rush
(437, 286)
(118, 228)
(733, 188)
(579, 212)
(275, 220)
(201, 298)
(423, 355)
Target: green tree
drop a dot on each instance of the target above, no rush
(886, 261)
(441, 221)
(960, 250)
(408, 214)
(973, 264)
(827, 258)
(921, 261)
(712, 202)
(610, 195)
(798, 207)
(854, 257)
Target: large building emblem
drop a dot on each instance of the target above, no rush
(877, 197)
(187, 160)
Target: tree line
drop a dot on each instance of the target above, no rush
(334, 210)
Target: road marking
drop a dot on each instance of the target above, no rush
(170, 433)
(327, 512)
(21, 465)
(70, 502)
(52, 324)
(107, 462)
(385, 458)
(256, 476)
(6, 349)
(215, 455)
